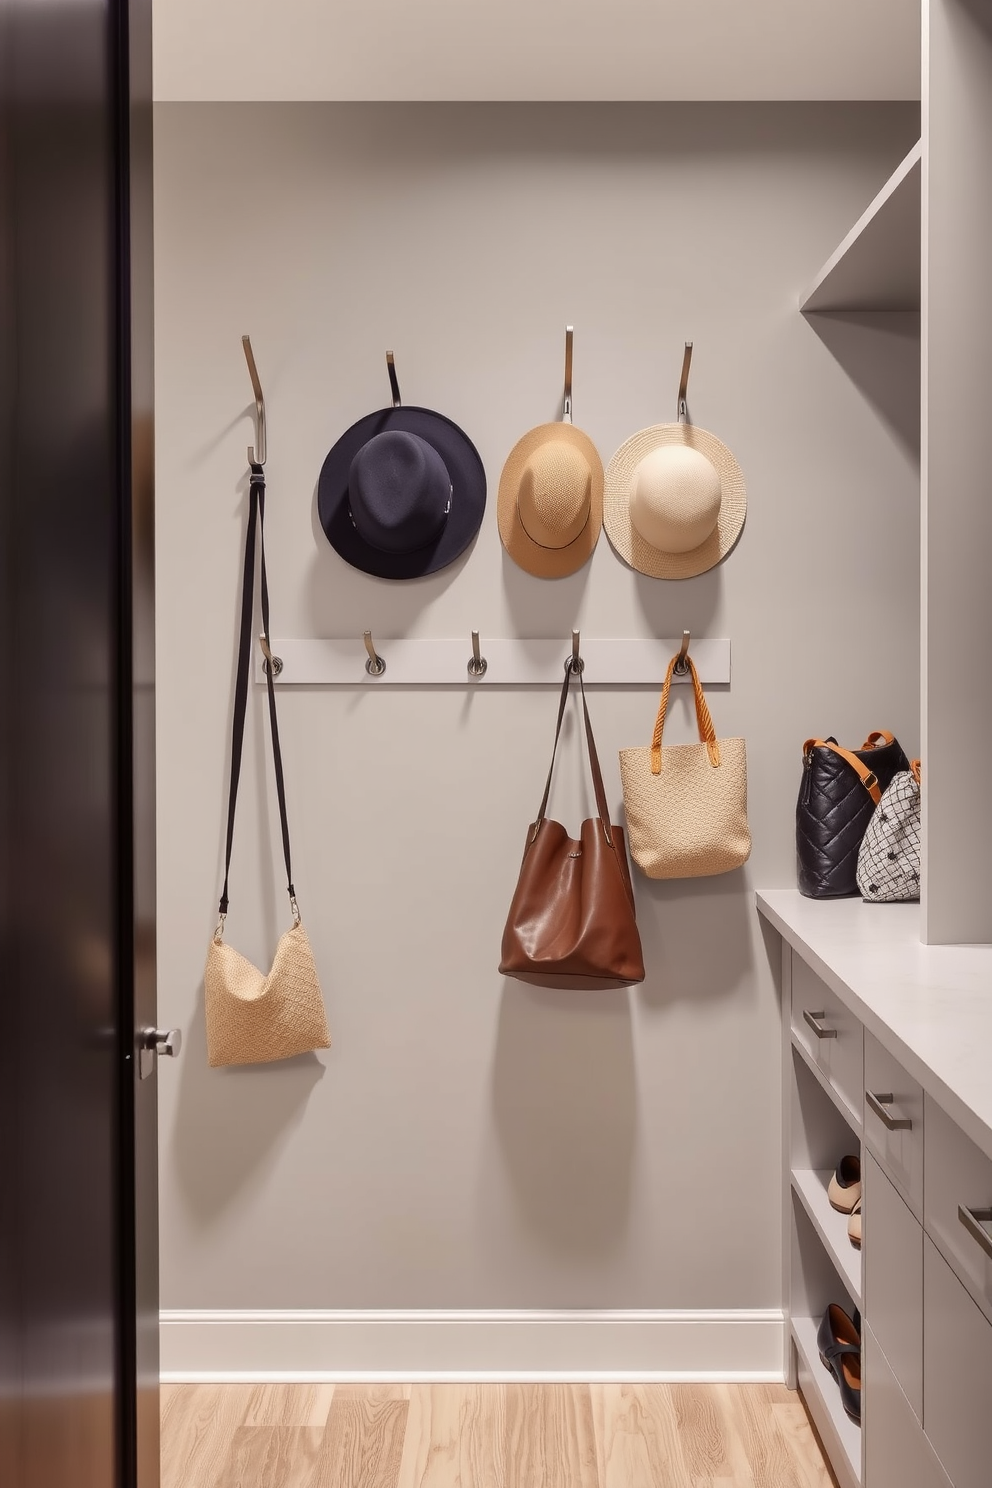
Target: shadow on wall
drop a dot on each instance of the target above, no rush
(227, 1133)
(696, 936)
(565, 1106)
(880, 352)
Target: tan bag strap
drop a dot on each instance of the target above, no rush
(915, 767)
(879, 736)
(867, 777)
(707, 733)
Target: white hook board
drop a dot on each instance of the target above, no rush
(427, 662)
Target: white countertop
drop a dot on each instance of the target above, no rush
(930, 1005)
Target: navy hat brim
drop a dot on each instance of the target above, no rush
(468, 494)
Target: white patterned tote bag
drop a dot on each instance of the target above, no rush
(889, 859)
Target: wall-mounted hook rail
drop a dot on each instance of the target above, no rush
(259, 445)
(271, 663)
(478, 664)
(394, 382)
(574, 663)
(681, 661)
(375, 666)
(566, 416)
(684, 383)
(441, 661)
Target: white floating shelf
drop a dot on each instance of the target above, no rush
(811, 1188)
(877, 267)
(516, 663)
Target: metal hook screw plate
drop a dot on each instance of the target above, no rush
(375, 666)
(271, 663)
(478, 664)
(684, 383)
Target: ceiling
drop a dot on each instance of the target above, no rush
(536, 49)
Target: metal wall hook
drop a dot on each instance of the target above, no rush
(566, 417)
(682, 660)
(254, 459)
(375, 666)
(478, 664)
(684, 383)
(271, 663)
(574, 663)
(393, 380)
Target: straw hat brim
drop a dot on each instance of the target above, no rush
(468, 493)
(629, 543)
(548, 563)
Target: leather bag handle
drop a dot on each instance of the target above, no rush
(707, 733)
(597, 774)
(878, 738)
(256, 523)
(867, 777)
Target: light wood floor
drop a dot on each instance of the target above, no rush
(487, 1436)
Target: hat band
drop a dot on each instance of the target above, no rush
(402, 552)
(546, 547)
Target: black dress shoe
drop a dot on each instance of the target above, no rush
(839, 1342)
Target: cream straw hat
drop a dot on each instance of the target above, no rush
(550, 503)
(675, 498)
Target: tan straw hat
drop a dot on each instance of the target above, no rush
(675, 498)
(550, 503)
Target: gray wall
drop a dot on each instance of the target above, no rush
(469, 1142)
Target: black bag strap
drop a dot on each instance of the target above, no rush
(256, 523)
(597, 774)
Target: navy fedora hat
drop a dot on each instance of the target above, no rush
(402, 493)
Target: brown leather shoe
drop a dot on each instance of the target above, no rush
(839, 1343)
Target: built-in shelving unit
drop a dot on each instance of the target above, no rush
(849, 1114)
(828, 1413)
(877, 266)
(810, 1186)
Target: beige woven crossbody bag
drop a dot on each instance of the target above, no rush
(686, 804)
(254, 1017)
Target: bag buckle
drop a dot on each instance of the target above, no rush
(219, 932)
(297, 917)
(870, 781)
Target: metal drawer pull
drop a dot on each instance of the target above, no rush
(971, 1219)
(817, 1027)
(878, 1103)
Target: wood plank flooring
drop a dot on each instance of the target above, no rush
(488, 1436)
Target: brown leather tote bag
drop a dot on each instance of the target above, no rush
(572, 914)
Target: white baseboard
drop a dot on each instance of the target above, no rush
(281, 1345)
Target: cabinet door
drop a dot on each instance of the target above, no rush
(893, 1259)
(897, 1454)
(957, 1375)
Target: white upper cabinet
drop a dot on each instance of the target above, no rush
(587, 50)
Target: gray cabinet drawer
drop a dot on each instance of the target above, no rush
(894, 1122)
(897, 1454)
(829, 1032)
(893, 1254)
(957, 1375)
(959, 1176)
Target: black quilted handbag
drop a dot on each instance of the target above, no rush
(840, 789)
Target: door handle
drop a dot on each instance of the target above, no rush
(155, 1041)
(971, 1218)
(813, 1020)
(878, 1103)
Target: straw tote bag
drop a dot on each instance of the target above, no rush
(572, 913)
(254, 1017)
(686, 804)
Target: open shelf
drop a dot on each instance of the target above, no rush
(823, 1400)
(877, 267)
(848, 1113)
(811, 1189)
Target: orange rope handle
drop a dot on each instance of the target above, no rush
(704, 722)
(877, 738)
